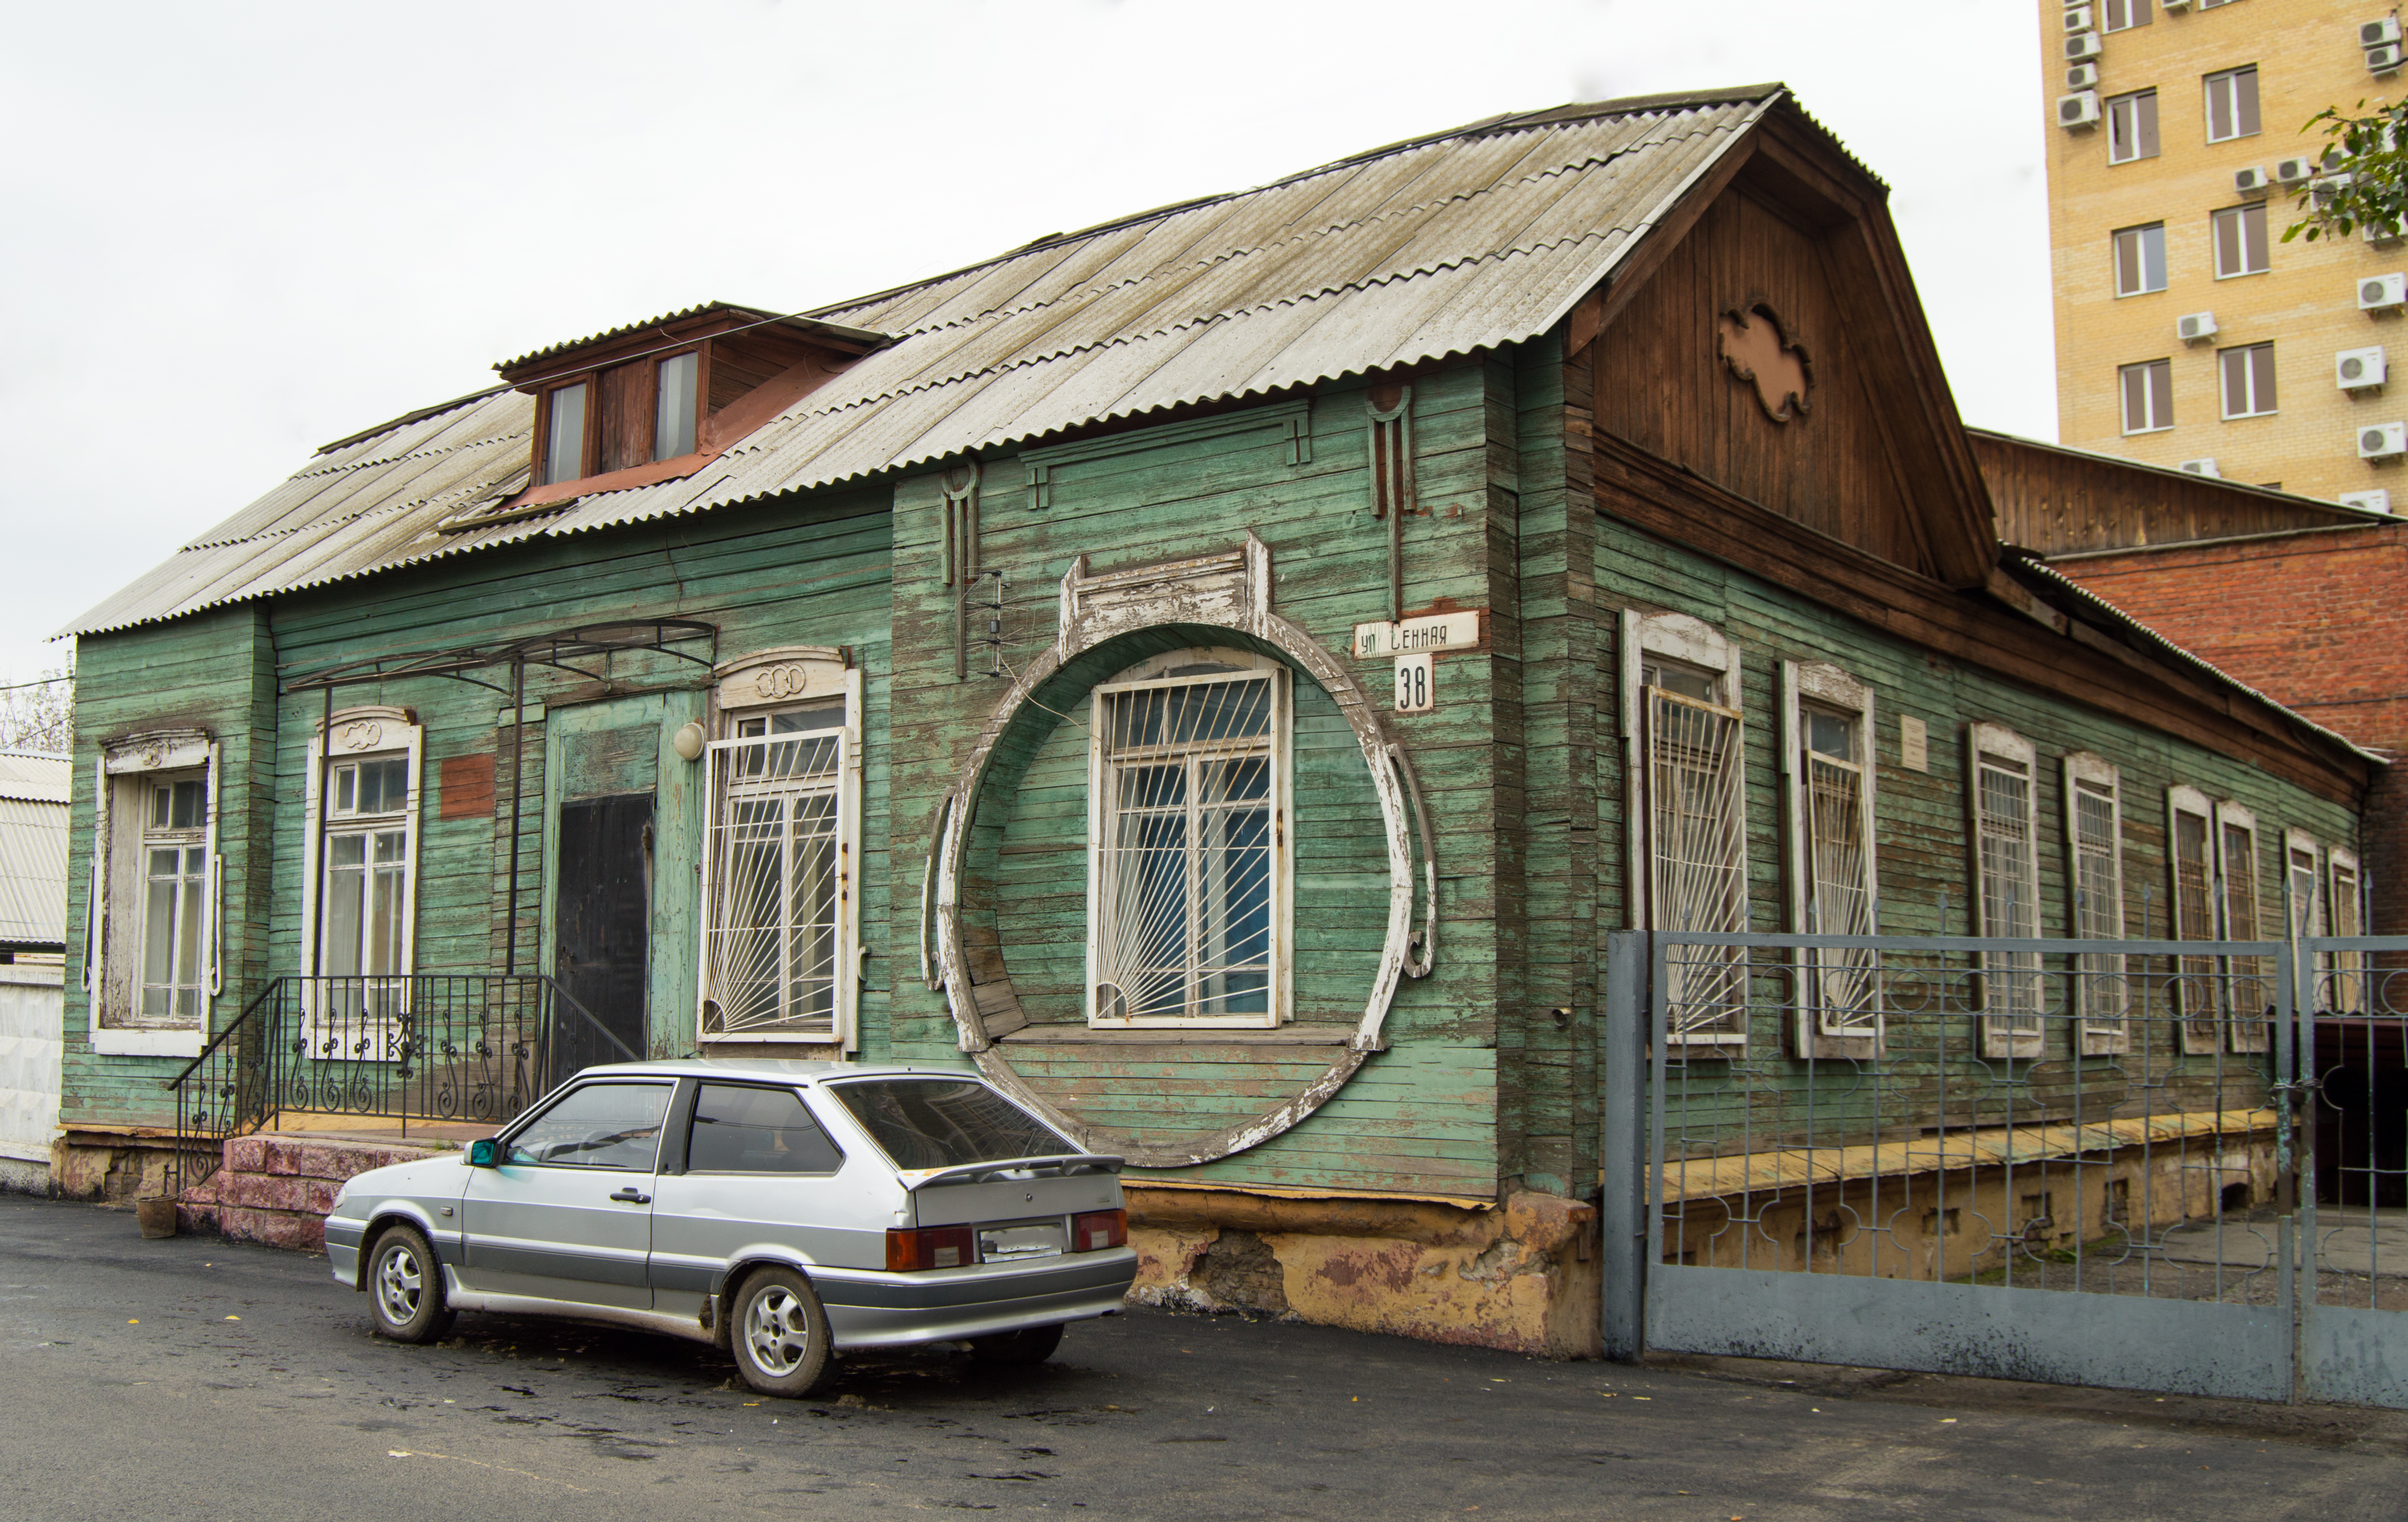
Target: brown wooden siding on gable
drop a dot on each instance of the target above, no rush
(2065, 502)
(1662, 384)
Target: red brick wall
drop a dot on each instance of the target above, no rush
(2318, 621)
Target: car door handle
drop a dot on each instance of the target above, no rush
(633, 1196)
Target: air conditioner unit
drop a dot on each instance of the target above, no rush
(2322, 188)
(2377, 500)
(2382, 293)
(2356, 368)
(2203, 467)
(2196, 327)
(2177, 4)
(2078, 110)
(2289, 172)
(2373, 35)
(2382, 441)
(2379, 232)
(2383, 60)
(2251, 181)
(2082, 77)
(2077, 19)
(2082, 47)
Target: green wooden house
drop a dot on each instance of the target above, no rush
(1215, 671)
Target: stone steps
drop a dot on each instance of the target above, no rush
(277, 1190)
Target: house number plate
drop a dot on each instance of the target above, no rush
(1416, 684)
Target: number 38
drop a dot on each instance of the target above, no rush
(1413, 684)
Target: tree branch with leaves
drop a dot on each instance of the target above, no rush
(2362, 175)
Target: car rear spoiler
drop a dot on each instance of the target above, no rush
(1056, 1165)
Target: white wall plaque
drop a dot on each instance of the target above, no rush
(1914, 745)
(1429, 631)
(1416, 684)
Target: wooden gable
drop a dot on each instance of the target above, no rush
(1784, 263)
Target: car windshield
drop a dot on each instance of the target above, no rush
(945, 1121)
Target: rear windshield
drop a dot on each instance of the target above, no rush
(945, 1121)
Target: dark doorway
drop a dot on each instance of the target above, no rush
(605, 896)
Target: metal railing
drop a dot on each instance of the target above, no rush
(442, 1047)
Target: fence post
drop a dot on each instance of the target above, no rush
(1621, 1203)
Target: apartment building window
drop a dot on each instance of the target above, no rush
(2094, 840)
(2247, 375)
(2240, 237)
(2000, 781)
(2122, 15)
(1686, 733)
(1828, 787)
(2132, 127)
(2141, 259)
(2232, 104)
(2148, 390)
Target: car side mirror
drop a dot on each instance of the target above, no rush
(485, 1153)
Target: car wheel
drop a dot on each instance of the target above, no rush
(406, 1289)
(1029, 1344)
(779, 1334)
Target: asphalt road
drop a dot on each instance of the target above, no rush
(196, 1378)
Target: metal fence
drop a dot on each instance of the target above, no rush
(2353, 1194)
(472, 1047)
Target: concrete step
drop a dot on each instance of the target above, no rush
(277, 1190)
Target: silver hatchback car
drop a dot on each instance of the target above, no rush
(783, 1211)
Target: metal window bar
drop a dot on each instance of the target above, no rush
(1842, 902)
(2101, 988)
(773, 871)
(1697, 856)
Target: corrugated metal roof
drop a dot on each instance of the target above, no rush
(1441, 246)
(33, 849)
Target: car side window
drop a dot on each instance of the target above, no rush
(599, 1126)
(740, 1130)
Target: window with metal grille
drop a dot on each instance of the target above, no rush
(2140, 255)
(2190, 832)
(1697, 846)
(2006, 875)
(2249, 980)
(1186, 892)
(2239, 239)
(2094, 833)
(1829, 716)
(2248, 380)
(2232, 104)
(2148, 390)
(2132, 127)
(779, 878)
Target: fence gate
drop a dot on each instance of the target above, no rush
(2060, 1160)
(2354, 1190)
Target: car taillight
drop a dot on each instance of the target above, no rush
(930, 1247)
(1098, 1229)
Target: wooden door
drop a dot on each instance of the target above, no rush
(602, 911)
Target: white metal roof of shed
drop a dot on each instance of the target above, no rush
(33, 849)
(1465, 240)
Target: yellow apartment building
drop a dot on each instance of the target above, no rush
(2188, 333)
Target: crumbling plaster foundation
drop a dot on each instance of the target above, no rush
(1523, 1276)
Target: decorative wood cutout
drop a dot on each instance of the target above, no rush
(1755, 348)
(960, 483)
(1390, 408)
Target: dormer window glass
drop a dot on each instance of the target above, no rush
(565, 433)
(673, 417)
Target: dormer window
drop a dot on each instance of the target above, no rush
(655, 401)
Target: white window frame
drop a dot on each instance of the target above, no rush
(2120, 15)
(2344, 987)
(2139, 234)
(2239, 214)
(2103, 995)
(2229, 78)
(2124, 127)
(114, 908)
(2244, 921)
(2149, 368)
(1693, 643)
(2013, 992)
(2224, 358)
(786, 679)
(350, 735)
(2197, 1004)
(1839, 1000)
(1280, 745)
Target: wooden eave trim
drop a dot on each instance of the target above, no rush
(1631, 277)
(561, 365)
(1661, 499)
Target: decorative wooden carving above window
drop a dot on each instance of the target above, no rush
(1756, 348)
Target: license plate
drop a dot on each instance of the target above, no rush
(1005, 1244)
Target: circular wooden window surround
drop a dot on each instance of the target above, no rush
(1107, 621)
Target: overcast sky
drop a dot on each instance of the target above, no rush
(238, 231)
